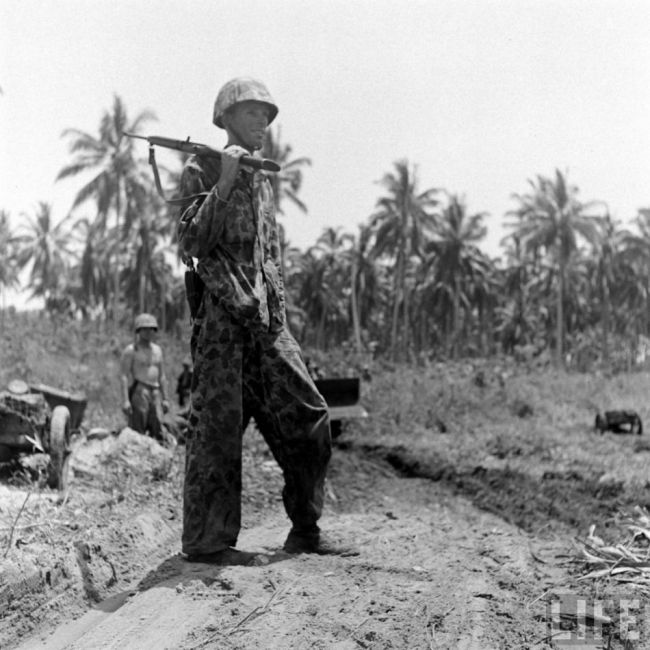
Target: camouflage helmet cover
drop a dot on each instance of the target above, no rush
(242, 89)
(145, 320)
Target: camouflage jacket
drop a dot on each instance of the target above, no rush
(236, 243)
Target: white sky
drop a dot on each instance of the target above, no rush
(481, 95)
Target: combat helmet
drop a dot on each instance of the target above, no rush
(145, 320)
(242, 89)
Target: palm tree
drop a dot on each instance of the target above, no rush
(44, 247)
(458, 272)
(118, 186)
(607, 255)
(364, 281)
(286, 183)
(551, 219)
(325, 286)
(93, 267)
(8, 268)
(519, 302)
(636, 253)
(146, 272)
(401, 225)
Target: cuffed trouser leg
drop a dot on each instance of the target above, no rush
(293, 418)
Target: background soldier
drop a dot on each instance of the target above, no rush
(184, 383)
(143, 380)
(246, 363)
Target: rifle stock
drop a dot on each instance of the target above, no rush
(204, 150)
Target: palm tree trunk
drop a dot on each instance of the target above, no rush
(559, 345)
(406, 310)
(163, 305)
(605, 321)
(320, 334)
(142, 292)
(397, 287)
(116, 274)
(456, 322)
(354, 305)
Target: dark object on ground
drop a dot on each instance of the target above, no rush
(38, 418)
(621, 421)
(342, 395)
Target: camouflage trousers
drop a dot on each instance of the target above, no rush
(239, 375)
(146, 410)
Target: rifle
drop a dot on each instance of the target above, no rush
(198, 149)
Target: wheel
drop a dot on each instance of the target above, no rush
(57, 470)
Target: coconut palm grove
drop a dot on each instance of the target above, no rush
(411, 283)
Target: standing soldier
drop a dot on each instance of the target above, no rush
(143, 380)
(246, 363)
(184, 383)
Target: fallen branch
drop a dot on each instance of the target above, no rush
(256, 611)
(39, 524)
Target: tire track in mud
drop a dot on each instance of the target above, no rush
(566, 499)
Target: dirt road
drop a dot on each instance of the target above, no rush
(433, 572)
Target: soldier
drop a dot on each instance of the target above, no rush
(143, 380)
(246, 363)
(184, 383)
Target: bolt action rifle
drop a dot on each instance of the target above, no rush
(198, 149)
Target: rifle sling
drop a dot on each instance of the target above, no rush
(156, 176)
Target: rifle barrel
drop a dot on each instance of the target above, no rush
(203, 150)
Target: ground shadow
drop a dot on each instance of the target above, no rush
(176, 570)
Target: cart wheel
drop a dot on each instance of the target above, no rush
(57, 470)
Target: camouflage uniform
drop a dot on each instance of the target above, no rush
(246, 363)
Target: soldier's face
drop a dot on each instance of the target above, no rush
(246, 124)
(147, 333)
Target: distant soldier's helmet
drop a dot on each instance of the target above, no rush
(242, 89)
(145, 320)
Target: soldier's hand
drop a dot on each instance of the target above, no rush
(165, 406)
(126, 407)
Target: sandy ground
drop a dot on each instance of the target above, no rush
(441, 564)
